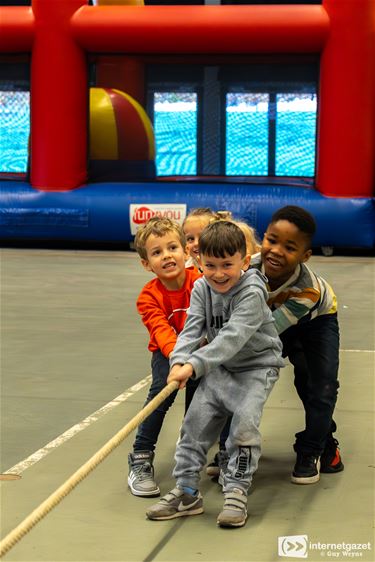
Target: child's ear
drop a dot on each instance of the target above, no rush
(306, 256)
(246, 262)
(146, 265)
(186, 253)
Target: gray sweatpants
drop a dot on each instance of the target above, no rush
(219, 395)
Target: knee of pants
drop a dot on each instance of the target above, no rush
(325, 393)
(328, 389)
(243, 434)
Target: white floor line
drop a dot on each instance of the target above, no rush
(357, 350)
(69, 433)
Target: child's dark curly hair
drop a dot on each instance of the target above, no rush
(298, 216)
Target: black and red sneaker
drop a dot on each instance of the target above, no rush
(330, 460)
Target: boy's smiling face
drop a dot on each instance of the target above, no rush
(223, 273)
(166, 258)
(284, 246)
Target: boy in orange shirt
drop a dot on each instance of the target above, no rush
(162, 303)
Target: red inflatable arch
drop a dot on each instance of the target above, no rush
(60, 33)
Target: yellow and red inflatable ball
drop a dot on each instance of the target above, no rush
(120, 129)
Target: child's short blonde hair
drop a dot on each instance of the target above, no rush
(158, 227)
(252, 243)
(209, 213)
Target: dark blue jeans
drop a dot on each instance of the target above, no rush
(148, 431)
(313, 349)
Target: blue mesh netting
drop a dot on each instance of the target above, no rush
(175, 122)
(247, 134)
(175, 126)
(295, 134)
(248, 117)
(14, 130)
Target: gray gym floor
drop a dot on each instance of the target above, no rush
(75, 369)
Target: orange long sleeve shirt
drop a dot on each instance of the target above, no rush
(164, 312)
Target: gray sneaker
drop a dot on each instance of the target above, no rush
(234, 512)
(141, 474)
(175, 504)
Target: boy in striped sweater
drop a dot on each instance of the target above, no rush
(305, 311)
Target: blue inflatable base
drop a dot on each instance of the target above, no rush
(100, 212)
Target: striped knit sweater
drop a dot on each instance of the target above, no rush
(302, 297)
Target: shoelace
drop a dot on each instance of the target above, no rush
(143, 471)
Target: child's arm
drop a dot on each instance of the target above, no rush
(156, 322)
(193, 332)
(248, 315)
(304, 296)
(295, 307)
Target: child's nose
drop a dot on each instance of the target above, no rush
(219, 273)
(276, 249)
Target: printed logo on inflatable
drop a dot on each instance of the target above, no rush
(140, 214)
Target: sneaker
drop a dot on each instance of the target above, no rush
(220, 460)
(306, 469)
(234, 512)
(141, 474)
(176, 503)
(330, 461)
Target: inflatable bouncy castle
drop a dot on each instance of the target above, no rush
(91, 173)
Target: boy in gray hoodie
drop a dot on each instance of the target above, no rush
(238, 367)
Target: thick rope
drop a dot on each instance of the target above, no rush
(55, 498)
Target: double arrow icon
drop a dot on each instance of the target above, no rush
(293, 546)
(296, 546)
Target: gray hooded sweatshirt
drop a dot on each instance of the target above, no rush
(238, 326)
